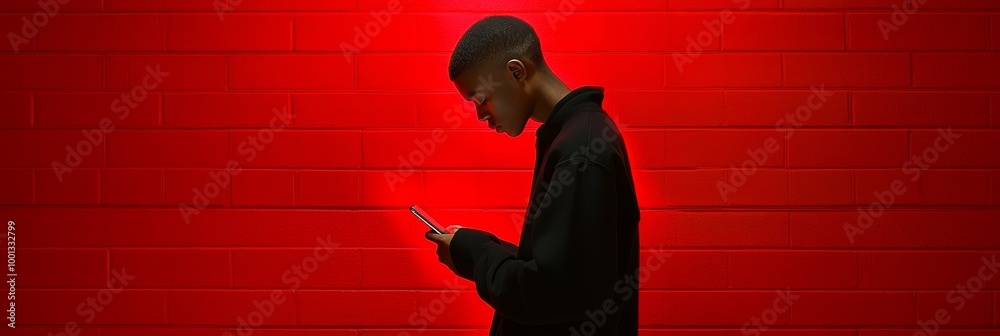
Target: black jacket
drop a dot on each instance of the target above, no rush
(575, 270)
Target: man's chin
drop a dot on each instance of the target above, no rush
(513, 133)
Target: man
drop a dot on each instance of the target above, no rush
(574, 272)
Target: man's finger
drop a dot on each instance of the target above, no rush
(432, 236)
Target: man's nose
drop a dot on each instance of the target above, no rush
(483, 115)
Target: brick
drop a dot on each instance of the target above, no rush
(896, 229)
(391, 187)
(683, 269)
(717, 70)
(162, 5)
(235, 32)
(995, 181)
(764, 187)
(209, 228)
(32, 6)
(995, 31)
(441, 149)
(214, 227)
(717, 308)
(956, 70)
(919, 108)
(945, 332)
(715, 229)
(995, 109)
(616, 32)
(721, 4)
(79, 186)
(820, 187)
(853, 308)
(170, 268)
(847, 69)
(365, 308)
(264, 187)
(847, 148)
(197, 186)
(975, 311)
(650, 189)
(293, 5)
(538, 6)
(297, 268)
(972, 148)
(58, 307)
(920, 31)
(383, 267)
(448, 111)
(47, 147)
(391, 72)
(767, 31)
(787, 108)
(942, 270)
(637, 71)
(183, 72)
(505, 224)
(650, 308)
(46, 268)
(291, 72)
(671, 108)
(19, 186)
(794, 269)
(955, 187)
(642, 31)
(201, 307)
(168, 148)
(354, 110)
(15, 110)
(89, 110)
(880, 186)
(479, 188)
(888, 5)
(85, 331)
(647, 148)
(725, 148)
(196, 110)
(325, 188)
(22, 37)
(50, 72)
(296, 149)
(355, 32)
(102, 32)
(131, 186)
(209, 331)
(694, 187)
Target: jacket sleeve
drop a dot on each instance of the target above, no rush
(573, 237)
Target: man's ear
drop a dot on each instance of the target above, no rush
(517, 69)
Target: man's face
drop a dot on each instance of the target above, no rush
(500, 98)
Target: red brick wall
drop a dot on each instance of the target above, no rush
(790, 146)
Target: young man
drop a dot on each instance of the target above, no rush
(574, 272)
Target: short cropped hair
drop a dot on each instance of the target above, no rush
(495, 39)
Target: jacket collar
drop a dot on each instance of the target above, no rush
(565, 108)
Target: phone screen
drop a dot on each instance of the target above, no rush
(427, 219)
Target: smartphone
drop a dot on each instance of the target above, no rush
(427, 219)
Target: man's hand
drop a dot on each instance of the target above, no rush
(443, 245)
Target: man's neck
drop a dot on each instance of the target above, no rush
(553, 90)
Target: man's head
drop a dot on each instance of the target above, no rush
(496, 65)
